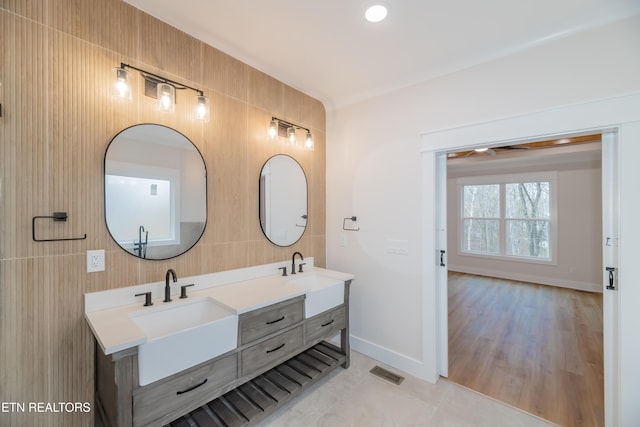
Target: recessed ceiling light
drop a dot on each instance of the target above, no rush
(376, 13)
(480, 150)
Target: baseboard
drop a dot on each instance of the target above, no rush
(562, 283)
(392, 358)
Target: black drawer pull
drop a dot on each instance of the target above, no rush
(328, 323)
(276, 349)
(271, 322)
(192, 388)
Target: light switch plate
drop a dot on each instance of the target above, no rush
(95, 260)
(400, 247)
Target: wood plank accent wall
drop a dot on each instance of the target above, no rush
(56, 67)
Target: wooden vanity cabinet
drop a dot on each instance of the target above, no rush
(270, 335)
(272, 339)
(266, 354)
(267, 320)
(325, 324)
(116, 377)
(168, 398)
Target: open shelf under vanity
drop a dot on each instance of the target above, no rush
(258, 398)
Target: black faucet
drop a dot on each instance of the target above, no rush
(293, 262)
(167, 289)
(140, 247)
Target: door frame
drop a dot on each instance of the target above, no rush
(609, 116)
(610, 300)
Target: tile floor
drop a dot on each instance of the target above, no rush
(354, 397)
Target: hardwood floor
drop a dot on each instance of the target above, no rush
(538, 348)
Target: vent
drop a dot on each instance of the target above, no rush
(387, 375)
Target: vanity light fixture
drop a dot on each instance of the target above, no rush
(161, 88)
(279, 127)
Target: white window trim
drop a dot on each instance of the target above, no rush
(548, 176)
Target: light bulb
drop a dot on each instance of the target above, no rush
(291, 134)
(121, 88)
(309, 141)
(166, 97)
(273, 129)
(202, 108)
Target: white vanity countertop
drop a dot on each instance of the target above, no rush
(241, 297)
(114, 329)
(108, 313)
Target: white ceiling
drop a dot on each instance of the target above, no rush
(326, 49)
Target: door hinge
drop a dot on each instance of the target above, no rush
(611, 286)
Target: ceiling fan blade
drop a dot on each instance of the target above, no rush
(515, 147)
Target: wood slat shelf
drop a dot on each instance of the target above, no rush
(258, 398)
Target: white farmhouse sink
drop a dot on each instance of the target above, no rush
(323, 291)
(182, 334)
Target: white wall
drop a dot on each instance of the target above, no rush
(579, 256)
(374, 172)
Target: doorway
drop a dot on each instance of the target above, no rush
(619, 121)
(524, 234)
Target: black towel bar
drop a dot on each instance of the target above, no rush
(57, 217)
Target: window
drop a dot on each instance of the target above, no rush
(144, 201)
(481, 218)
(508, 216)
(147, 196)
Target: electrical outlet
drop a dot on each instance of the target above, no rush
(95, 260)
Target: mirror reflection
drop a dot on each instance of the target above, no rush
(283, 200)
(155, 188)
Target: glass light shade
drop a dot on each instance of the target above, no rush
(273, 129)
(121, 87)
(308, 143)
(291, 135)
(202, 108)
(166, 97)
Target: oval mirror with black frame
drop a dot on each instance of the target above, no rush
(283, 200)
(155, 191)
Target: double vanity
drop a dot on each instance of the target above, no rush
(225, 348)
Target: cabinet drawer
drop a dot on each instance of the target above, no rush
(264, 321)
(272, 351)
(181, 392)
(325, 325)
